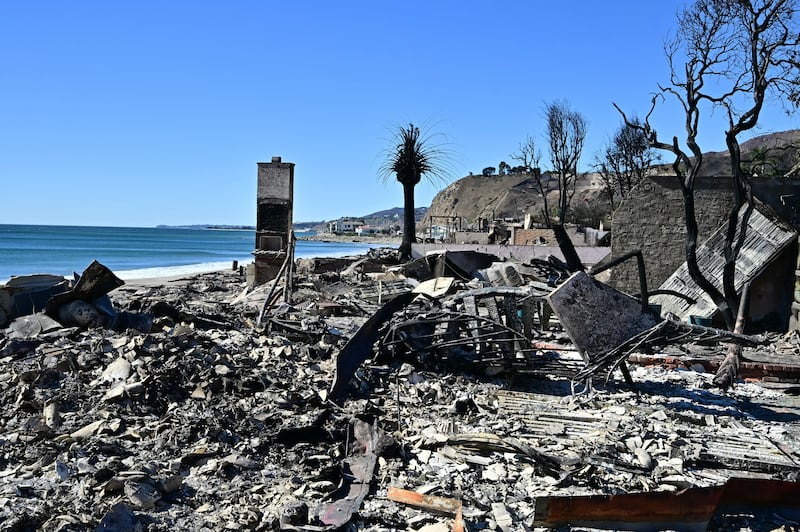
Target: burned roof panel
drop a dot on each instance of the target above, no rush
(766, 237)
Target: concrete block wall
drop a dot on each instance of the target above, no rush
(652, 219)
(471, 237)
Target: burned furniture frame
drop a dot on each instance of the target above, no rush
(492, 327)
(495, 328)
(487, 326)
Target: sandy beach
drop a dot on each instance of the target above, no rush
(366, 239)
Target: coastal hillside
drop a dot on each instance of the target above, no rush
(502, 196)
(489, 197)
(513, 196)
(772, 154)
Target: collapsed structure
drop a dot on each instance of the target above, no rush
(651, 220)
(445, 379)
(385, 395)
(460, 390)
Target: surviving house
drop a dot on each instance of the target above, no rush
(344, 225)
(366, 230)
(651, 219)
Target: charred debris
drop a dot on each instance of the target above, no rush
(452, 392)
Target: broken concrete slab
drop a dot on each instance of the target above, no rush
(596, 316)
(32, 326)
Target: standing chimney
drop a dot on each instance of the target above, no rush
(274, 198)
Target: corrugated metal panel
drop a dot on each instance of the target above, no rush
(764, 240)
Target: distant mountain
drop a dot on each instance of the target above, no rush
(397, 212)
(380, 219)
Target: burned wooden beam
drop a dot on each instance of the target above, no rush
(729, 368)
(680, 510)
(430, 502)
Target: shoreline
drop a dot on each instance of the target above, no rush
(331, 237)
(146, 282)
(313, 247)
(192, 271)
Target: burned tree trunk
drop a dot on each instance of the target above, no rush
(409, 221)
(729, 368)
(568, 249)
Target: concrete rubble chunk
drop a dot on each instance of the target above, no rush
(31, 326)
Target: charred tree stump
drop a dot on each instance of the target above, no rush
(729, 367)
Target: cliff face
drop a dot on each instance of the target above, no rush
(473, 197)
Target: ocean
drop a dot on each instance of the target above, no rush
(138, 253)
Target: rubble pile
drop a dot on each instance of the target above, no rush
(208, 422)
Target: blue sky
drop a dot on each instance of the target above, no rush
(143, 113)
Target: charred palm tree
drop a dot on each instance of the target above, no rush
(411, 156)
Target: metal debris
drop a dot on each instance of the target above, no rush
(357, 471)
(28, 294)
(608, 325)
(689, 509)
(210, 423)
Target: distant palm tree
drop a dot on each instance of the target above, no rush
(411, 156)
